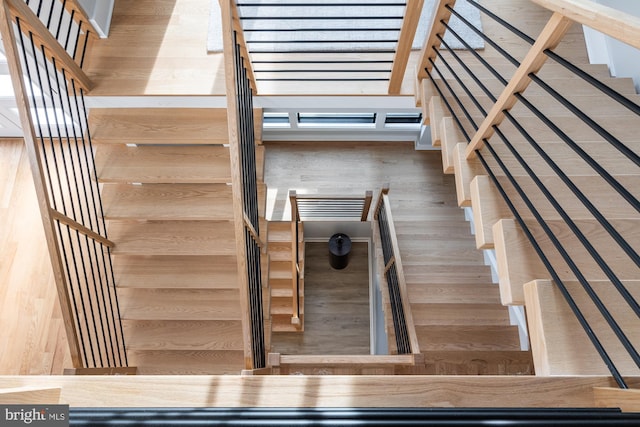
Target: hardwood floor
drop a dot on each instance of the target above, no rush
(336, 310)
(33, 340)
(156, 47)
(159, 48)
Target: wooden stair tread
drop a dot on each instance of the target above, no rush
(173, 238)
(446, 274)
(590, 102)
(431, 229)
(459, 314)
(187, 362)
(179, 304)
(175, 271)
(280, 231)
(571, 125)
(168, 201)
(550, 70)
(183, 334)
(566, 159)
(489, 206)
(163, 164)
(159, 125)
(440, 252)
(478, 293)
(284, 292)
(558, 342)
(478, 362)
(468, 337)
(464, 172)
(280, 251)
(518, 264)
(562, 84)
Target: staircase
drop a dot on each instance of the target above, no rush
(559, 344)
(461, 326)
(168, 203)
(282, 265)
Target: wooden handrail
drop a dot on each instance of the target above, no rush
(254, 234)
(440, 13)
(402, 284)
(551, 35)
(33, 149)
(236, 177)
(407, 33)
(612, 22)
(384, 190)
(295, 267)
(81, 228)
(243, 47)
(42, 37)
(368, 196)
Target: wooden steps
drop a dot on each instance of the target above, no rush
(163, 164)
(172, 238)
(459, 314)
(518, 263)
(455, 308)
(176, 271)
(167, 202)
(183, 334)
(584, 100)
(489, 206)
(477, 363)
(445, 274)
(166, 175)
(185, 362)
(559, 344)
(281, 276)
(179, 304)
(624, 86)
(494, 228)
(468, 338)
(159, 126)
(446, 293)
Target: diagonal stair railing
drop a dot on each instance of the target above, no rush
(490, 141)
(242, 147)
(45, 46)
(406, 340)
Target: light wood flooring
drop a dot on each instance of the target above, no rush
(158, 47)
(336, 311)
(32, 338)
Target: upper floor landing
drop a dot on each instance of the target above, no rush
(159, 47)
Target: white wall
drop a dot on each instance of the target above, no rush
(100, 12)
(623, 60)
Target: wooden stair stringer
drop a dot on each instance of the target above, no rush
(560, 346)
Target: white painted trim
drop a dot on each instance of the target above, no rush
(518, 318)
(468, 216)
(516, 313)
(100, 13)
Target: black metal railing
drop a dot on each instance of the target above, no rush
(331, 32)
(56, 115)
(511, 178)
(68, 23)
(250, 205)
(517, 417)
(400, 327)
